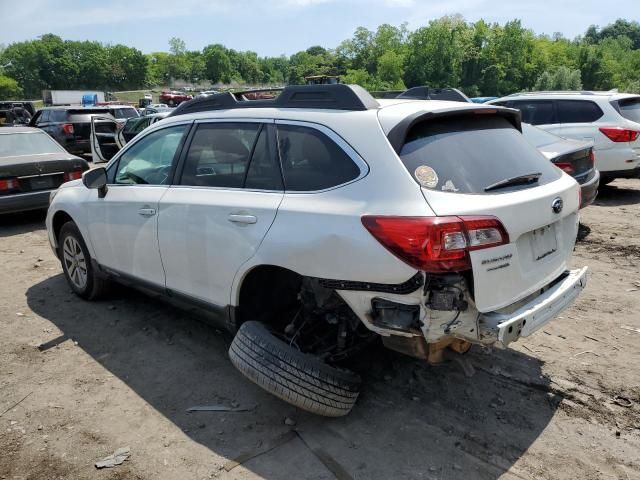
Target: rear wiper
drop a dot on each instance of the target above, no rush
(510, 182)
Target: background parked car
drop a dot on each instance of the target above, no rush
(482, 99)
(207, 93)
(156, 108)
(32, 165)
(69, 126)
(122, 113)
(134, 126)
(575, 157)
(610, 120)
(173, 98)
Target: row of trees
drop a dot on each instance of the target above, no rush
(479, 58)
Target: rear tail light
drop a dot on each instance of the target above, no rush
(9, 184)
(619, 134)
(436, 244)
(67, 128)
(68, 176)
(566, 167)
(592, 157)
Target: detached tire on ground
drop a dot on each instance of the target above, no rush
(297, 378)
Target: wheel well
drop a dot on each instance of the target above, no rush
(267, 293)
(59, 219)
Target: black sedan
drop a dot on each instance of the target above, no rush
(573, 156)
(32, 165)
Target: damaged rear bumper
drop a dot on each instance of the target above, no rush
(505, 328)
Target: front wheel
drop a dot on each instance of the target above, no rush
(76, 264)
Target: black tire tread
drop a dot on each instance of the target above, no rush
(297, 378)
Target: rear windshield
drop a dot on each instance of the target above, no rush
(124, 112)
(469, 154)
(33, 143)
(630, 109)
(85, 117)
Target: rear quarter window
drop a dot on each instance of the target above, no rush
(311, 161)
(578, 111)
(468, 154)
(630, 109)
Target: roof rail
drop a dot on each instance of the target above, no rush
(331, 97)
(565, 92)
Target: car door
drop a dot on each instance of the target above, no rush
(123, 224)
(215, 217)
(103, 138)
(577, 119)
(42, 122)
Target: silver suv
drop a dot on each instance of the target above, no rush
(610, 120)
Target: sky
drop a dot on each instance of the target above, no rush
(278, 27)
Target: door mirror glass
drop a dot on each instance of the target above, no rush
(95, 178)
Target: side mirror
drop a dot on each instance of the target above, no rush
(96, 179)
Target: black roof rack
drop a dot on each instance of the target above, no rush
(331, 97)
(425, 92)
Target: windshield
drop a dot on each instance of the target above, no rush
(124, 112)
(538, 137)
(467, 154)
(32, 143)
(630, 109)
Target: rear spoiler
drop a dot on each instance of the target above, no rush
(398, 134)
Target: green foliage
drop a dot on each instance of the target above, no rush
(9, 89)
(562, 79)
(479, 58)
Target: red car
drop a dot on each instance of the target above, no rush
(173, 98)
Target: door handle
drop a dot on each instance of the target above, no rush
(241, 218)
(147, 212)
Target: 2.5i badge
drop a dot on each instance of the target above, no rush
(426, 176)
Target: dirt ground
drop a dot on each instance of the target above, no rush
(79, 380)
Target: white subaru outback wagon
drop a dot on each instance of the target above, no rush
(321, 220)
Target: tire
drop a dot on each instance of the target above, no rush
(297, 378)
(85, 282)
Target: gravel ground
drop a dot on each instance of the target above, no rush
(562, 404)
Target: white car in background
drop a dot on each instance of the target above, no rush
(318, 221)
(610, 120)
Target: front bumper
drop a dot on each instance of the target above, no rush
(21, 202)
(505, 328)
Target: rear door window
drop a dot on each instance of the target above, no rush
(577, 111)
(536, 112)
(44, 118)
(469, 154)
(630, 109)
(312, 161)
(219, 155)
